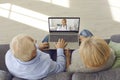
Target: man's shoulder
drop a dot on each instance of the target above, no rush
(42, 54)
(76, 51)
(8, 53)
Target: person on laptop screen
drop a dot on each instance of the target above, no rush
(63, 23)
(63, 26)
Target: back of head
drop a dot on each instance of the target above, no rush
(22, 47)
(94, 52)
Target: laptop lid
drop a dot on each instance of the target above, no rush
(64, 24)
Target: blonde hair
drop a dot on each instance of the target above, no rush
(94, 52)
(22, 46)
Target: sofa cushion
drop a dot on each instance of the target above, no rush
(16, 78)
(3, 49)
(115, 45)
(4, 75)
(59, 76)
(113, 74)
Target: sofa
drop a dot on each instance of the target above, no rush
(110, 74)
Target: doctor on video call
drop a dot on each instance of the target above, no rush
(64, 26)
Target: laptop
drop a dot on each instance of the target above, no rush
(66, 28)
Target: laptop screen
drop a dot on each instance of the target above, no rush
(64, 24)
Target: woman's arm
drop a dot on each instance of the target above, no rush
(68, 58)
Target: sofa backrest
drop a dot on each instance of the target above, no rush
(112, 74)
(115, 45)
(3, 49)
(107, 40)
(59, 76)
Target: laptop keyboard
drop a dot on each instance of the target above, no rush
(69, 38)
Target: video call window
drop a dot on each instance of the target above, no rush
(64, 24)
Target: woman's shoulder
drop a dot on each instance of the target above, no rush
(76, 51)
(110, 60)
(76, 54)
(75, 58)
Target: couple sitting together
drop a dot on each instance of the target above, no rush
(27, 61)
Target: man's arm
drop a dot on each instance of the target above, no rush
(59, 65)
(60, 52)
(43, 46)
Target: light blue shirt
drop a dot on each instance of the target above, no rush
(39, 67)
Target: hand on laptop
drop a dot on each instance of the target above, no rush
(44, 45)
(61, 43)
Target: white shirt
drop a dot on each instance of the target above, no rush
(62, 28)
